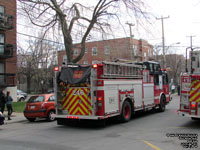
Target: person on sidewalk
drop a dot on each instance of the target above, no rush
(2, 101)
(9, 104)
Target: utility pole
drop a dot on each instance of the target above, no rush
(191, 51)
(130, 41)
(163, 39)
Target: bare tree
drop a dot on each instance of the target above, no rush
(70, 13)
(34, 63)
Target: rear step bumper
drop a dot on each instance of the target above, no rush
(84, 117)
(186, 114)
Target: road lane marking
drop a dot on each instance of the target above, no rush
(153, 146)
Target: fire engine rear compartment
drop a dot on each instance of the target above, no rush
(190, 96)
(91, 96)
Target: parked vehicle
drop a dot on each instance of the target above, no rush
(109, 89)
(2, 118)
(40, 106)
(20, 92)
(21, 96)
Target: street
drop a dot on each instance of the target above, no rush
(146, 131)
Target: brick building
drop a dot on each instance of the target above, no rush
(110, 50)
(8, 57)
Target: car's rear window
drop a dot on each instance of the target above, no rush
(35, 99)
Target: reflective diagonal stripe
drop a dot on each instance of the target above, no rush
(195, 91)
(77, 101)
(67, 97)
(193, 83)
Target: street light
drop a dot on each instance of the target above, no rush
(172, 45)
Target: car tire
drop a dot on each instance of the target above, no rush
(21, 99)
(49, 116)
(31, 119)
(126, 112)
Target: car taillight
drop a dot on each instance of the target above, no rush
(43, 105)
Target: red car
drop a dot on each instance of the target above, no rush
(40, 106)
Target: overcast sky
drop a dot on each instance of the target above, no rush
(184, 20)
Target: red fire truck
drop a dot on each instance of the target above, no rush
(109, 89)
(190, 89)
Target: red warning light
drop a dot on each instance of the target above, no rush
(56, 69)
(94, 66)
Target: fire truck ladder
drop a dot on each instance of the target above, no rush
(121, 70)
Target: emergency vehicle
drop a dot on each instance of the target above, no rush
(109, 89)
(190, 89)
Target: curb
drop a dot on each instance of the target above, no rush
(11, 122)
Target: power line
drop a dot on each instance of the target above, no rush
(39, 38)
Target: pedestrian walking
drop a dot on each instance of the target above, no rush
(2, 101)
(9, 104)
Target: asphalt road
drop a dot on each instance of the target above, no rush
(146, 131)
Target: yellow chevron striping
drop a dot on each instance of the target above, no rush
(194, 96)
(196, 87)
(67, 98)
(83, 107)
(71, 108)
(194, 82)
(71, 101)
(87, 104)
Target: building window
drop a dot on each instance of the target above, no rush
(2, 10)
(86, 50)
(65, 59)
(145, 56)
(85, 62)
(94, 51)
(134, 50)
(149, 51)
(106, 50)
(2, 71)
(94, 62)
(76, 52)
(2, 43)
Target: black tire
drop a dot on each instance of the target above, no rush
(21, 99)
(162, 104)
(49, 116)
(31, 119)
(126, 112)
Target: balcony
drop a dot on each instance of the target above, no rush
(7, 79)
(6, 51)
(6, 22)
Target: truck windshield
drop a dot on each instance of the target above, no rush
(35, 99)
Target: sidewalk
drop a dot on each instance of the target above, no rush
(16, 117)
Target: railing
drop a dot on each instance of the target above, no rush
(7, 79)
(6, 51)
(6, 21)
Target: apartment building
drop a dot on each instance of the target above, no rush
(8, 57)
(111, 50)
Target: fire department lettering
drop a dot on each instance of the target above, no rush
(78, 74)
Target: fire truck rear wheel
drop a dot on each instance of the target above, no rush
(162, 104)
(126, 112)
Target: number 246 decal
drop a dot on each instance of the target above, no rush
(78, 92)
